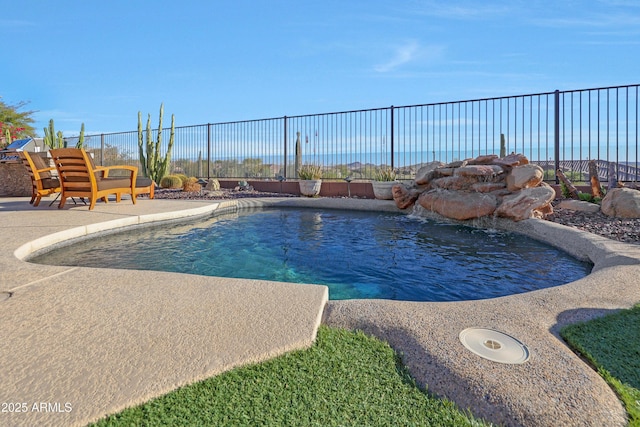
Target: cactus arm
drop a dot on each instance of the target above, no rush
(143, 159)
(80, 143)
(48, 140)
(167, 158)
(159, 137)
(150, 153)
(59, 139)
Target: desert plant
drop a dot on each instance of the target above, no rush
(171, 181)
(184, 178)
(587, 197)
(80, 143)
(51, 138)
(385, 174)
(310, 172)
(154, 165)
(565, 190)
(298, 152)
(192, 185)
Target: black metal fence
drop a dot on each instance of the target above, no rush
(559, 129)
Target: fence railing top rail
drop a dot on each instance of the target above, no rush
(302, 116)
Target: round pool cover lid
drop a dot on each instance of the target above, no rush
(494, 345)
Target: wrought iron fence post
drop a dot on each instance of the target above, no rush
(208, 150)
(284, 172)
(102, 149)
(556, 136)
(392, 132)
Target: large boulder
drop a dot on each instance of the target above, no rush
(525, 176)
(403, 196)
(212, 185)
(488, 187)
(425, 173)
(456, 183)
(479, 170)
(578, 205)
(484, 160)
(527, 203)
(512, 160)
(622, 202)
(457, 204)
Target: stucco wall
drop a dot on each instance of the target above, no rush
(14, 179)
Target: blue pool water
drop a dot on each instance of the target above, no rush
(357, 254)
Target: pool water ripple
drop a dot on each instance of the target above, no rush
(356, 254)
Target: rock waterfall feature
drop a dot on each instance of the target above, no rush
(508, 187)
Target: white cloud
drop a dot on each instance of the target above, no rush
(409, 52)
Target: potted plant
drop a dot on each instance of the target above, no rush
(384, 180)
(310, 180)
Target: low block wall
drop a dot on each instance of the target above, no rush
(14, 179)
(328, 189)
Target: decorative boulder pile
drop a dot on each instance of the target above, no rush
(508, 187)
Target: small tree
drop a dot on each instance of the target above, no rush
(18, 122)
(154, 166)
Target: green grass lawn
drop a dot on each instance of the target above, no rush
(345, 378)
(612, 345)
(349, 378)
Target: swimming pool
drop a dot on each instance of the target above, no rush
(356, 254)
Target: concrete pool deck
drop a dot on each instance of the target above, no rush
(79, 343)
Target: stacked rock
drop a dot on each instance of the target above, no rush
(508, 187)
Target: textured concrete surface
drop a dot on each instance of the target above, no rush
(554, 387)
(104, 339)
(79, 343)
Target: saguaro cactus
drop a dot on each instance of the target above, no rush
(51, 138)
(298, 154)
(80, 143)
(154, 165)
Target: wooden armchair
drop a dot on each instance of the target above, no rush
(80, 178)
(43, 183)
(143, 185)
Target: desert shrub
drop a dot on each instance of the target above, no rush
(184, 178)
(171, 181)
(310, 172)
(192, 185)
(386, 174)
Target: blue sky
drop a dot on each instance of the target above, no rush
(100, 62)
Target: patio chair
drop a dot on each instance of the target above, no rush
(80, 178)
(143, 185)
(43, 183)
